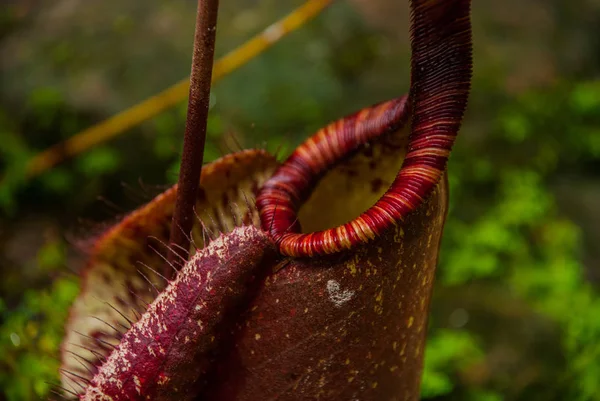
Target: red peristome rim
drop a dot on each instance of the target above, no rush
(440, 84)
(282, 195)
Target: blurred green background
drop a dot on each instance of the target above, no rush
(516, 310)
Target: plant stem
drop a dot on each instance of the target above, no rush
(195, 129)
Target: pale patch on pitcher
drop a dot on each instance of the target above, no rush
(337, 296)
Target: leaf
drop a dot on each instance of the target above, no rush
(119, 277)
(99, 161)
(170, 350)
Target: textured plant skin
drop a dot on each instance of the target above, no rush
(175, 342)
(343, 327)
(115, 286)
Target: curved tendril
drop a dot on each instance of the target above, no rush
(441, 67)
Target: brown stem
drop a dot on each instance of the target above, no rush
(195, 129)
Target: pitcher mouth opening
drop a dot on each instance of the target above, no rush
(362, 149)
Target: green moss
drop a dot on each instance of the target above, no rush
(30, 338)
